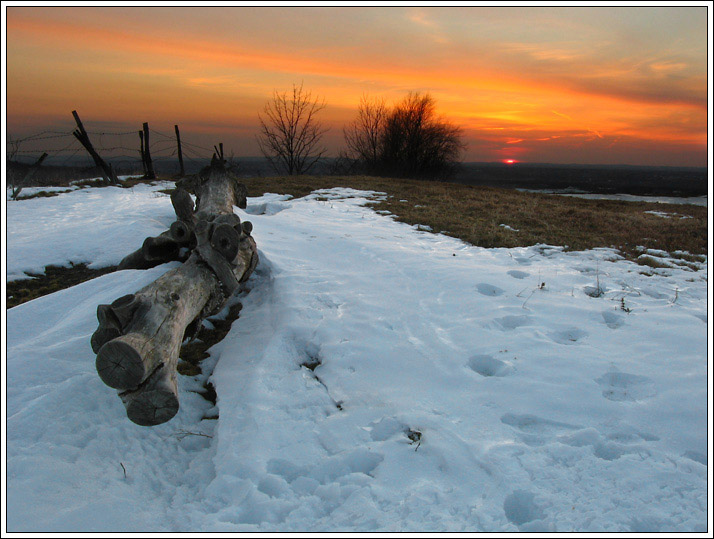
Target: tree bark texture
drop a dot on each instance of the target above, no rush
(139, 335)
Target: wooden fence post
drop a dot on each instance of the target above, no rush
(82, 136)
(141, 149)
(147, 154)
(17, 187)
(180, 154)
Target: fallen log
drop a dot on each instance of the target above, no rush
(139, 335)
(173, 244)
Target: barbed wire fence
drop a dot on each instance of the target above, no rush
(66, 158)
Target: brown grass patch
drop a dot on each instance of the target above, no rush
(55, 278)
(475, 214)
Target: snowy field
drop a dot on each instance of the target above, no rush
(458, 388)
(696, 201)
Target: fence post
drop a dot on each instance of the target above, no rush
(180, 154)
(147, 154)
(141, 150)
(17, 187)
(82, 136)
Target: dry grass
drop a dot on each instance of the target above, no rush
(55, 278)
(475, 214)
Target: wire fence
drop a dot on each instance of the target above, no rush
(121, 149)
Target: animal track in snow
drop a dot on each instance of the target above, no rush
(385, 428)
(518, 274)
(612, 320)
(520, 508)
(622, 386)
(486, 365)
(696, 456)
(328, 470)
(536, 430)
(522, 260)
(513, 321)
(266, 208)
(569, 335)
(489, 289)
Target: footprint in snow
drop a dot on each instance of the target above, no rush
(612, 320)
(621, 386)
(696, 456)
(385, 428)
(569, 335)
(328, 470)
(513, 321)
(487, 366)
(518, 274)
(489, 289)
(534, 430)
(521, 509)
(522, 260)
(612, 446)
(266, 208)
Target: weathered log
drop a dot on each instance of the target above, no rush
(154, 336)
(139, 336)
(183, 204)
(182, 232)
(155, 401)
(167, 246)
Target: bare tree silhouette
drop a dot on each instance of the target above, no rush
(408, 140)
(363, 135)
(290, 132)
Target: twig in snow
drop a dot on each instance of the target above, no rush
(181, 434)
(676, 296)
(529, 297)
(122, 467)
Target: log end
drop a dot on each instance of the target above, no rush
(103, 335)
(119, 365)
(152, 407)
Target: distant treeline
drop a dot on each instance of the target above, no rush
(655, 181)
(602, 179)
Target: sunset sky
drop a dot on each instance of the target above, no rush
(600, 85)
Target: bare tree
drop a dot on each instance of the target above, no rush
(408, 140)
(290, 132)
(363, 135)
(417, 143)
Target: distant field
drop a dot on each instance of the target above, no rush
(476, 214)
(655, 181)
(659, 181)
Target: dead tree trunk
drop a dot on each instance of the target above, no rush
(139, 336)
(83, 137)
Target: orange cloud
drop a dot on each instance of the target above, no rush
(132, 71)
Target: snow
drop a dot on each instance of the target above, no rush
(455, 388)
(697, 201)
(666, 215)
(98, 226)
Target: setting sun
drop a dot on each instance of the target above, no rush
(555, 85)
